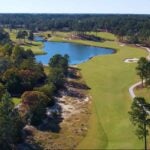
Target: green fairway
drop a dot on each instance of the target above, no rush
(109, 79)
(105, 35)
(36, 47)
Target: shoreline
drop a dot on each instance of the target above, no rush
(74, 42)
(81, 44)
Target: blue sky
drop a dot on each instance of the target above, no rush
(75, 6)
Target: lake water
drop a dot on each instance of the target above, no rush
(77, 53)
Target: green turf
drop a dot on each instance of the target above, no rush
(36, 47)
(16, 100)
(145, 92)
(105, 35)
(109, 78)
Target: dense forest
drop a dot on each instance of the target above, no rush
(128, 28)
(21, 76)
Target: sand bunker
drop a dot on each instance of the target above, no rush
(122, 45)
(131, 60)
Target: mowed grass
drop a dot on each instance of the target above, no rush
(16, 100)
(36, 47)
(62, 36)
(105, 35)
(108, 43)
(109, 78)
(144, 92)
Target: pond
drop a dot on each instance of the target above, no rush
(77, 53)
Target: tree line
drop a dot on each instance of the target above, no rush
(21, 76)
(128, 28)
(23, 34)
(140, 108)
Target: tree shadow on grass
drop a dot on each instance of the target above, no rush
(73, 73)
(77, 85)
(29, 144)
(53, 119)
(51, 125)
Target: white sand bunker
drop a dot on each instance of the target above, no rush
(131, 60)
(122, 45)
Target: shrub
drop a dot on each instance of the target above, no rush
(36, 102)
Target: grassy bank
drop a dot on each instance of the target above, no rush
(65, 37)
(16, 100)
(36, 47)
(144, 92)
(109, 77)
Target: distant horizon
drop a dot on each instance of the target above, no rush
(75, 7)
(73, 13)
